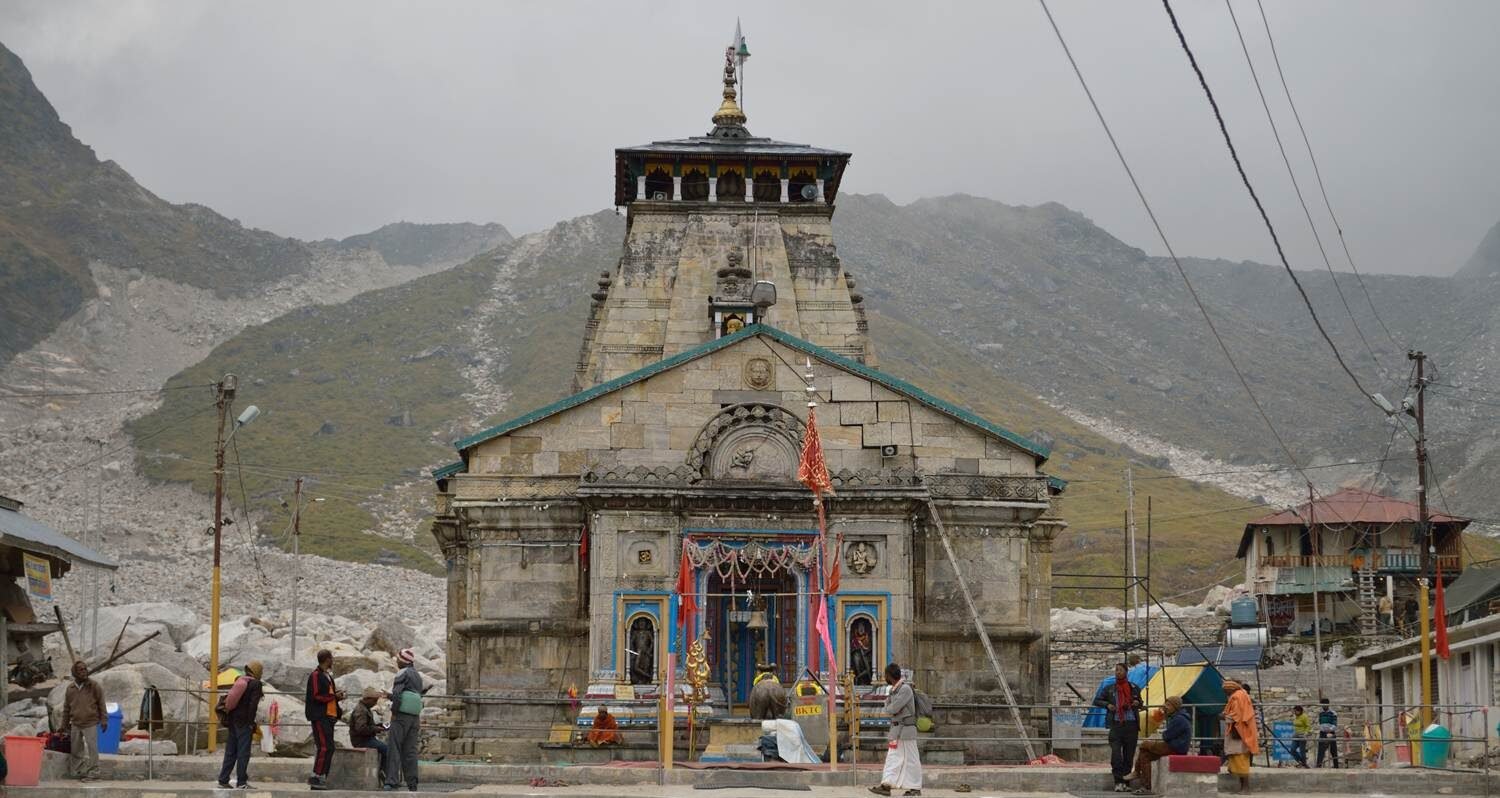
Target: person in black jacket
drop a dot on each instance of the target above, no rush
(323, 699)
(1176, 737)
(240, 706)
(1122, 706)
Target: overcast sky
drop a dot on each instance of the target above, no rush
(332, 118)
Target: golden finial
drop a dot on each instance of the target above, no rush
(729, 113)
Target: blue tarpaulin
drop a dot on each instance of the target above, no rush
(1139, 676)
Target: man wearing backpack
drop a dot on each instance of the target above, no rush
(406, 723)
(239, 707)
(903, 767)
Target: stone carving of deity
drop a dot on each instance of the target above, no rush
(861, 557)
(861, 651)
(643, 644)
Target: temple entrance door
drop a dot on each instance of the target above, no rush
(737, 645)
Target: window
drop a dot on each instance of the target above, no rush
(767, 186)
(731, 185)
(658, 184)
(695, 184)
(802, 178)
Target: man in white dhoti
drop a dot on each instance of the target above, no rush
(903, 768)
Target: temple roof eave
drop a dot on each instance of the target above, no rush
(706, 145)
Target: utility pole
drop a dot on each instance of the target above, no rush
(1135, 587)
(1317, 541)
(296, 562)
(98, 542)
(224, 397)
(1424, 534)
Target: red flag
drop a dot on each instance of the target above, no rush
(687, 605)
(821, 624)
(1440, 614)
(583, 549)
(812, 471)
(833, 578)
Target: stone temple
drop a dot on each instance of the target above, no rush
(564, 529)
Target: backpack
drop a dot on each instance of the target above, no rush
(922, 703)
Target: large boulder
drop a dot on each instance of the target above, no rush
(235, 636)
(347, 659)
(174, 623)
(292, 734)
(167, 656)
(355, 682)
(391, 635)
(282, 668)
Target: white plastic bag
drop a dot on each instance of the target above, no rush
(267, 744)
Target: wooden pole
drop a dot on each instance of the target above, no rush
(1424, 536)
(225, 396)
(67, 641)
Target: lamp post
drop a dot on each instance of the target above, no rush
(224, 398)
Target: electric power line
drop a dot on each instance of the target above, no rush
(1265, 218)
(1296, 187)
(1318, 173)
(1244, 382)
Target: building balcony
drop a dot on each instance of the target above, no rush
(1377, 560)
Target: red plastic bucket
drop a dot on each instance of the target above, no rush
(23, 757)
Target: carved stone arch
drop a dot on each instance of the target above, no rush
(753, 441)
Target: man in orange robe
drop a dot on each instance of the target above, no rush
(606, 730)
(1241, 740)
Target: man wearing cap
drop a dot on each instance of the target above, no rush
(363, 730)
(83, 708)
(240, 705)
(406, 722)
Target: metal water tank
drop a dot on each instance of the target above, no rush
(1243, 611)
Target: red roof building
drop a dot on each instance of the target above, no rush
(1359, 552)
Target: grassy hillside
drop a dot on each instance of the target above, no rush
(411, 244)
(356, 396)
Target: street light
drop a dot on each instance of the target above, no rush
(224, 398)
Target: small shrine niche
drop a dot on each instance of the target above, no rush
(730, 303)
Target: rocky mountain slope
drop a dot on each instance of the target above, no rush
(410, 244)
(1106, 332)
(61, 208)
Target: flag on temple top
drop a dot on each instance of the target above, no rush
(741, 50)
(812, 471)
(1440, 615)
(687, 606)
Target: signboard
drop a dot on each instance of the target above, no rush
(1281, 749)
(739, 616)
(38, 576)
(807, 709)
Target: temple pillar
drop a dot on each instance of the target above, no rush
(640, 187)
(713, 189)
(821, 199)
(785, 188)
(677, 188)
(749, 189)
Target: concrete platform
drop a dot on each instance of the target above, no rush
(193, 776)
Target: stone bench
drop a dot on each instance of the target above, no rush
(1186, 775)
(355, 769)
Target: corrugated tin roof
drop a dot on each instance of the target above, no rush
(1037, 451)
(1354, 506)
(28, 534)
(1473, 585)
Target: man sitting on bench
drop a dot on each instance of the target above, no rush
(1176, 736)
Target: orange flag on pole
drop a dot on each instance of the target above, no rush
(812, 471)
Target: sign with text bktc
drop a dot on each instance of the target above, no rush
(38, 576)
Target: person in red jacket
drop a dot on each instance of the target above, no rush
(323, 699)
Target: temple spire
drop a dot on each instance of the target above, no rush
(729, 120)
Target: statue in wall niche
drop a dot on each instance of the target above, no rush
(861, 557)
(861, 651)
(742, 460)
(642, 652)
